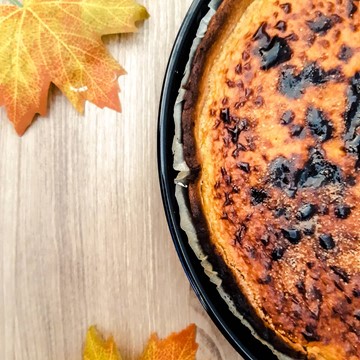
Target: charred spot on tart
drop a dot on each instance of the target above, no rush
(277, 253)
(310, 333)
(259, 101)
(281, 26)
(239, 234)
(240, 85)
(266, 280)
(247, 66)
(345, 53)
(225, 115)
(244, 166)
(293, 85)
(234, 133)
(300, 286)
(306, 212)
(276, 52)
(240, 104)
(320, 126)
(239, 148)
(261, 34)
(318, 172)
(350, 180)
(245, 55)
(258, 196)
(248, 92)
(341, 273)
(286, 8)
(279, 212)
(272, 51)
(351, 8)
(238, 69)
(342, 211)
(327, 241)
(230, 83)
(265, 239)
(227, 141)
(321, 23)
(287, 117)
(282, 175)
(224, 216)
(310, 265)
(292, 235)
(352, 118)
(251, 144)
(225, 176)
(297, 131)
(228, 199)
(339, 285)
(316, 294)
(244, 124)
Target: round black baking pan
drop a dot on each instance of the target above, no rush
(235, 332)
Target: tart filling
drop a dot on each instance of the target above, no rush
(271, 133)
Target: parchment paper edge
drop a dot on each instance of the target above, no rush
(181, 167)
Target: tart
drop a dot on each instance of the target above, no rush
(271, 134)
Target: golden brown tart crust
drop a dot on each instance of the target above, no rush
(271, 133)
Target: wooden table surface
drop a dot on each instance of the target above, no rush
(83, 235)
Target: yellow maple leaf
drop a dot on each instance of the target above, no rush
(59, 41)
(96, 348)
(178, 346)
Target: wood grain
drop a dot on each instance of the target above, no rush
(83, 236)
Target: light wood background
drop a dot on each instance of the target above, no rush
(83, 236)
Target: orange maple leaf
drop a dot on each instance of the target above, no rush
(59, 41)
(96, 348)
(178, 346)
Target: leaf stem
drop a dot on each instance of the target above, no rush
(16, 3)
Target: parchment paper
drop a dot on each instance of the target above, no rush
(181, 183)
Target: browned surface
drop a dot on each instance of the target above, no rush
(305, 290)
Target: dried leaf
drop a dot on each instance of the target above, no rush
(178, 346)
(96, 348)
(59, 41)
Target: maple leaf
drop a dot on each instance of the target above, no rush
(96, 348)
(178, 346)
(59, 41)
